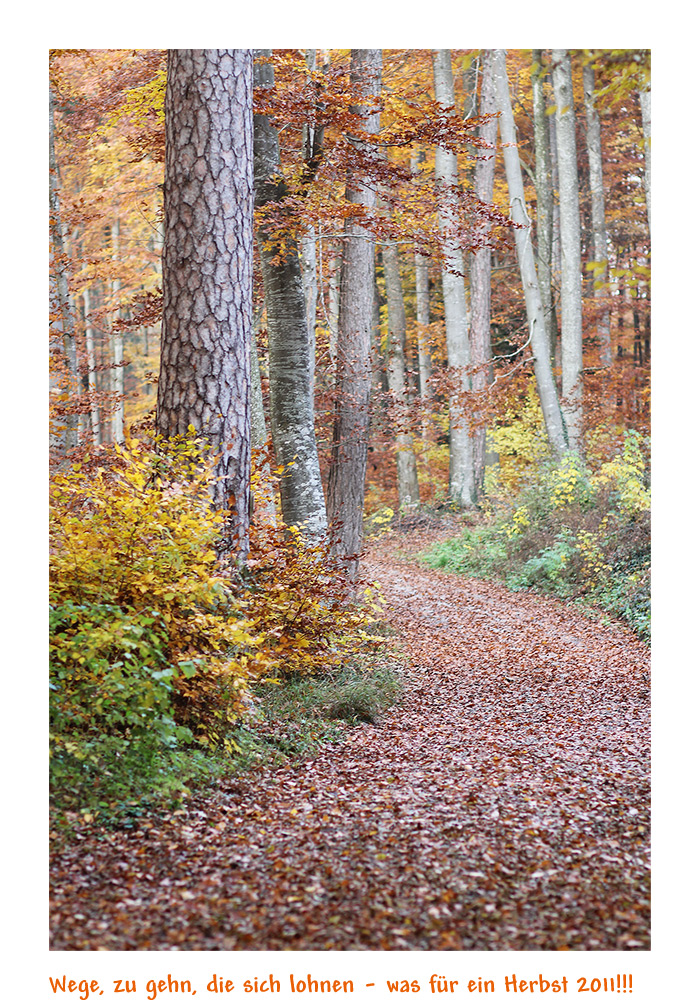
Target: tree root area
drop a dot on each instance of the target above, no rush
(502, 804)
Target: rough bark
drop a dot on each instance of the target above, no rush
(546, 388)
(480, 278)
(461, 486)
(291, 393)
(571, 295)
(600, 236)
(207, 269)
(346, 487)
(545, 198)
(64, 323)
(407, 474)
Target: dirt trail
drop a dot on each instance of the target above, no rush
(502, 805)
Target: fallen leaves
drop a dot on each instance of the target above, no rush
(503, 804)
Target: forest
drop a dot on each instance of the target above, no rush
(349, 621)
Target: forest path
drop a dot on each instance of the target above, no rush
(503, 804)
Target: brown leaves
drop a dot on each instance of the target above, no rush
(502, 805)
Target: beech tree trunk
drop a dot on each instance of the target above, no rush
(407, 473)
(422, 318)
(91, 370)
(291, 390)
(117, 342)
(207, 269)
(308, 243)
(645, 105)
(480, 284)
(461, 489)
(545, 199)
(63, 322)
(346, 486)
(600, 236)
(571, 296)
(546, 387)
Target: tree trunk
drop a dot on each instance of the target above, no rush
(405, 456)
(545, 199)
(64, 324)
(291, 395)
(91, 370)
(456, 318)
(645, 105)
(207, 269)
(308, 243)
(346, 487)
(571, 299)
(546, 387)
(600, 236)
(480, 333)
(117, 341)
(422, 318)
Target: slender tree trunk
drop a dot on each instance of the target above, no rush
(571, 298)
(407, 473)
(645, 105)
(334, 265)
(64, 323)
(258, 428)
(600, 236)
(91, 372)
(546, 387)
(291, 394)
(480, 283)
(346, 488)
(207, 269)
(117, 341)
(545, 199)
(422, 318)
(456, 317)
(308, 243)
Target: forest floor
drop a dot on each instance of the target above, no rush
(501, 804)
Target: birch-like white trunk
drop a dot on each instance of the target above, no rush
(461, 489)
(545, 197)
(645, 105)
(64, 324)
(117, 341)
(291, 395)
(600, 236)
(407, 474)
(91, 372)
(546, 387)
(571, 295)
(422, 316)
(480, 333)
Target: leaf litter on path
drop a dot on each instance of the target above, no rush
(503, 804)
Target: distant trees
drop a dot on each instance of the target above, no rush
(207, 268)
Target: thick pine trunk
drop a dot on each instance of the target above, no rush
(291, 389)
(545, 199)
(407, 473)
(546, 388)
(461, 487)
(600, 236)
(207, 269)
(571, 296)
(346, 487)
(480, 333)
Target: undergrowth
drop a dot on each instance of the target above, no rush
(569, 532)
